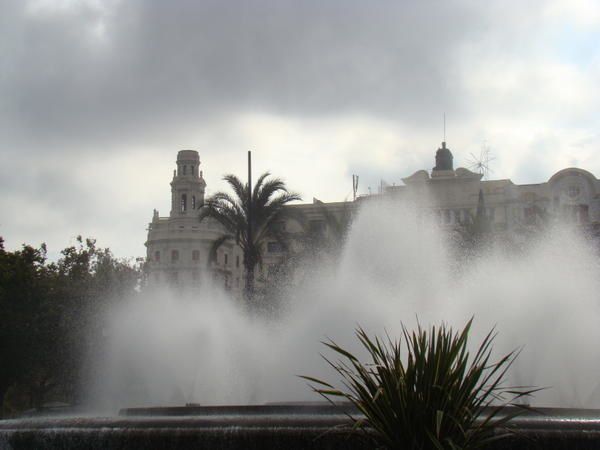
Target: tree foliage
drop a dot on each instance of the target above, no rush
(232, 212)
(52, 318)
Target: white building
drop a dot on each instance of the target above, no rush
(572, 194)
(178, 245)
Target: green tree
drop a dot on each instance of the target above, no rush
(475, 233)
(88, 281)
(29, 322)
(266, 209)
(52, 319)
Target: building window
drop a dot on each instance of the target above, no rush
(184, 170)
(447, 216)
(173, 278)
(195, 255)
(183, 202)
(226, 258)
(275, 247)
(193, 202)
(530, 215)
(278, 227)
(456, 214)
(271, 270)
(573, 191)
(237, 261)
(157, 256)
(583, 214)
(316, 226)
(174, 255)
(192, 169)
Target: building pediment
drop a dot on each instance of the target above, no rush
(573, 172)
(573, 186)
(420, 176)
(463, 173)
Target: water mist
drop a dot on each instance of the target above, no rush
(172, 349)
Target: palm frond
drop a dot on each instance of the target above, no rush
(212, 254)
(264, 194)
(220, 208)
(258, 186)
(269, 197)
(239, 188)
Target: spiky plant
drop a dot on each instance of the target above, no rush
(437, 396)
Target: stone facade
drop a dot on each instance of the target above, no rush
(571, 194)
(178, 245)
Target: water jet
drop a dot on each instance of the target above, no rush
(204, 349)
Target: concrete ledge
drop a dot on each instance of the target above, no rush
(285, 426)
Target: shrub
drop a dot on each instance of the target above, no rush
(436, 397)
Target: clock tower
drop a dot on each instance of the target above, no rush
(187, 187)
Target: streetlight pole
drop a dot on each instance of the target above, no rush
(249, 273)
(249, 196)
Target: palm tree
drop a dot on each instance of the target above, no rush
(266, 209)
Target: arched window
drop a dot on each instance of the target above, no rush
(183, 202)
(184, 169)
(192, 169)
(193, 202)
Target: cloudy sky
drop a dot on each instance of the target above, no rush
(97, 97)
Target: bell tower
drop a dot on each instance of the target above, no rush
(187, 187)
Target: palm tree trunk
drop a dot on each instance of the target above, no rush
(2, 392)
(249, 288)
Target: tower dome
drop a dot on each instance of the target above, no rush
(188, 185)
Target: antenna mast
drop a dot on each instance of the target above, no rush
(444, 127)
(354, 185)
(481, 164)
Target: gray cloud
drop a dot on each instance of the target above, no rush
(103, 74)
(94, 92)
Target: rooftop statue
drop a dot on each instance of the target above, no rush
(443, 158)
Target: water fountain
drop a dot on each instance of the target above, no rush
(397, 266)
